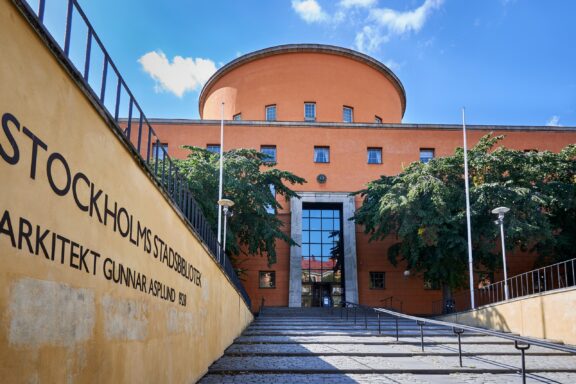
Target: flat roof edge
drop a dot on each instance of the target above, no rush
(303, 124)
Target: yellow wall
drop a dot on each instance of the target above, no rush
(548, 315)
(61, 319)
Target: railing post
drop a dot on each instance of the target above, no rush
(522, 349)
(354, 315)
(365, 319)
(459, 332)
(379, 329)
(421, 324)
(68, 28)
(397, 333)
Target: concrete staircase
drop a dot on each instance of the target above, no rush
(318, 345)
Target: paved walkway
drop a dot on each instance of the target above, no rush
(288, 345)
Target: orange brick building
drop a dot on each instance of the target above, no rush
(334, 117)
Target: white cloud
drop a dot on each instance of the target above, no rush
(357, 3)
(181, 75)
(310, 11)
(369, 39)
(404, 22)
(554, 121)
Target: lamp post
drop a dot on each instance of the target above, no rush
(501, 211)
(221, 173)
(226, 204)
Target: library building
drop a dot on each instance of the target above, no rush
(334, 117)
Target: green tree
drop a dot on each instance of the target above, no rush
(249, 180)
(424, 207)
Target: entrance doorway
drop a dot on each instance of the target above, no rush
(322, 255)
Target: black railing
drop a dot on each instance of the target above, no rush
(552, 277)
(521, 343)
(111, 93)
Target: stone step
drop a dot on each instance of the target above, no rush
(363, 339)
(375, 364)
(380, 349)
(388, 378)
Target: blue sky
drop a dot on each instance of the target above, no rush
(507, 61)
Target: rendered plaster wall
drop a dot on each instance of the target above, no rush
(64, 314)
(547, 315)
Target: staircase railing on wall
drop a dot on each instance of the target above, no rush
(84, 54)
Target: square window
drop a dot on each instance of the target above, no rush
(271, 112)
(310, 111)
(267, 279)
(270, 151)
(347, 114)
(377, 119)
(374, 155)
(159, 150)
(237, 116)
(426, 154)
(377, 280)
(321, 154)
(214, 148)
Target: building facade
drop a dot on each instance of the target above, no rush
(334, 117)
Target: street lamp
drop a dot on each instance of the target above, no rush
(226, 204)
(501, 211)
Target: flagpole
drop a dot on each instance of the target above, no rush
(469, 226)
(221, 172)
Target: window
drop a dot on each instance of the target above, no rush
(237, 116)
(430, 285)
(347, 114)
(271, 112)
(270, 151)
(159, 150)
(267, 279)
(377, 119)
(377, 280)
(321, 154)
(310, 111)
(374, 155)
(426, 154)
(269, 208)
(322, 254)
(214, 148)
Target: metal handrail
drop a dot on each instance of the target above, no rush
(521, 343)
(545, 279)
(137, 131)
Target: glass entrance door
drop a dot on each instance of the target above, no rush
(322, 255)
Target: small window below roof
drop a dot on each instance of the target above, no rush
(271, 112)
(377, 119)
(347, 114)
(237, 116)
(270, 152)
(214, 148)
(159, 151)
(374, 155)
(426, 154)
(310, 111)
(321, 154)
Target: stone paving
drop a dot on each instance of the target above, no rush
(318, 346)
